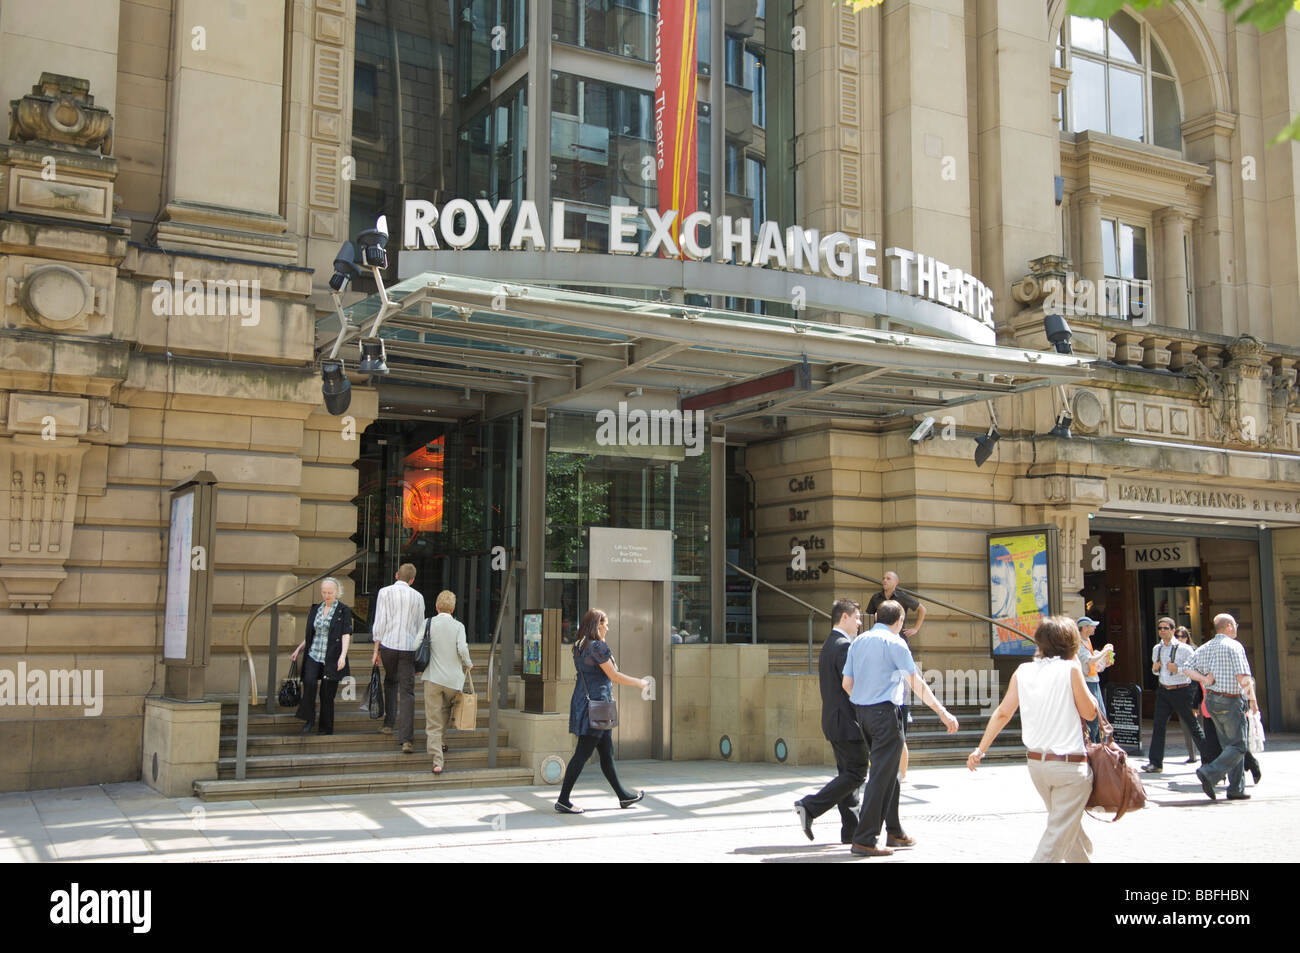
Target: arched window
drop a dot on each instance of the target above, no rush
(1121, 81)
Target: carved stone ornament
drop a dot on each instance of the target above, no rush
(1248, 400)
(1032, 289)
(60, 109)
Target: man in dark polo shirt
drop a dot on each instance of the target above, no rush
(840, 726)
(915, 610)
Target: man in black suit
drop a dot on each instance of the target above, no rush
(840, 726)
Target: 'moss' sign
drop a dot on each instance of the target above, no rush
(1162, 554)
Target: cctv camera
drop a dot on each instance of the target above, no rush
(924, 431)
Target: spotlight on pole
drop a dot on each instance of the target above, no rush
(345, 268)
(335, 387)
(372, 243)
(984, 446)
(372, 357)
(1063, 419)
(1058, 332)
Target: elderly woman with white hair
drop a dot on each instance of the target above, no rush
(444, 679)
(329, 633)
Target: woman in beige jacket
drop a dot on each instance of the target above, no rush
(444, 679)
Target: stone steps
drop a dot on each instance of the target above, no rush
(377, 782)
(353, 741)
(289, 767)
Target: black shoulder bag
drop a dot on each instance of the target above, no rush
(291, 687)
(423, 652)
(602, 715)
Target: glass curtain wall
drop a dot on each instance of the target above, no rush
(661, 488)
(423, 123)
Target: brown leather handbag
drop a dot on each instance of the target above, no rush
(1116, 785)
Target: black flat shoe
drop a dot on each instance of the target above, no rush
(567, 809)
(1243, 796)
(629, 801)
(330, 732)
(307, 728)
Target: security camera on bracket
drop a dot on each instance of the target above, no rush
(924, 431)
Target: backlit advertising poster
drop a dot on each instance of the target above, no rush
(1020, 587)
(676, 129)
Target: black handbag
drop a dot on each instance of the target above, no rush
(601, 715)
(291, 687)
(423, 652)
(375, 694)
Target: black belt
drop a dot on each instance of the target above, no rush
(1172, 687)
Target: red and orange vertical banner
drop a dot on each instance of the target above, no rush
(676, 129)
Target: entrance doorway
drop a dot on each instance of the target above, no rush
(1187, 573)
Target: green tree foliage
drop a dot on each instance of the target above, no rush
(572, 503)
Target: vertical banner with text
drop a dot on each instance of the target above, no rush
(676, 145)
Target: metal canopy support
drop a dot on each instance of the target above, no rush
(556, 345)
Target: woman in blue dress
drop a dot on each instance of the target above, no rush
(596, 672)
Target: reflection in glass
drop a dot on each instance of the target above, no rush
(1088, 92)
(636, 487)
(1126, 119)
(1108, 257)
(1125, 35)
(1087, 34)
(1165, 114)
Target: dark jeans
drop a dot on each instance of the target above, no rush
(602, 745)
(1229, 715)
(841, 791)
(1094, 726)
(399, 691)
(312, 672)
(1169, 701)
(1213, 749)
(884, 738)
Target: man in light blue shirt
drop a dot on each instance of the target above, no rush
(878, 667)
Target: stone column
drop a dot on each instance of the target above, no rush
(927, 161)
(1018, 221)
(224, 130)
(1171, 306)
(1221, 268)
(1090, 261)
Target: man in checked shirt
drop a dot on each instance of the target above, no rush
(1220, 665)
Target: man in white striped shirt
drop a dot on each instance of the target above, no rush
(396, 631)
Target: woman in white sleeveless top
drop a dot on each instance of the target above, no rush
(1052, 697)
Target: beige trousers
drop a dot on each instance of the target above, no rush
(438, 700)
(1064, 788)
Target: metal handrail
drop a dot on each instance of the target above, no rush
(753, 630)
(826, 567)
(493, 700)
(248, 674)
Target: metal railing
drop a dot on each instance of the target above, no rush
(248, 673)
(494, 704)
(753, 609)
(826, 567)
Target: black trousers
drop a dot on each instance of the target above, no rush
(312, 675)
(884, 738)
(841, 791)
(1169, 701)
(1213, 748)
(602, 745)
(399, 691)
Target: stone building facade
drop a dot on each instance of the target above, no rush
(178, 175)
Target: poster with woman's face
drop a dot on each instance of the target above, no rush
(1019, 588)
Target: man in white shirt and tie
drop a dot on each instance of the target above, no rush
(1174, 693)
(396, 631)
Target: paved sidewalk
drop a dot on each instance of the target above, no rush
(695, 811)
